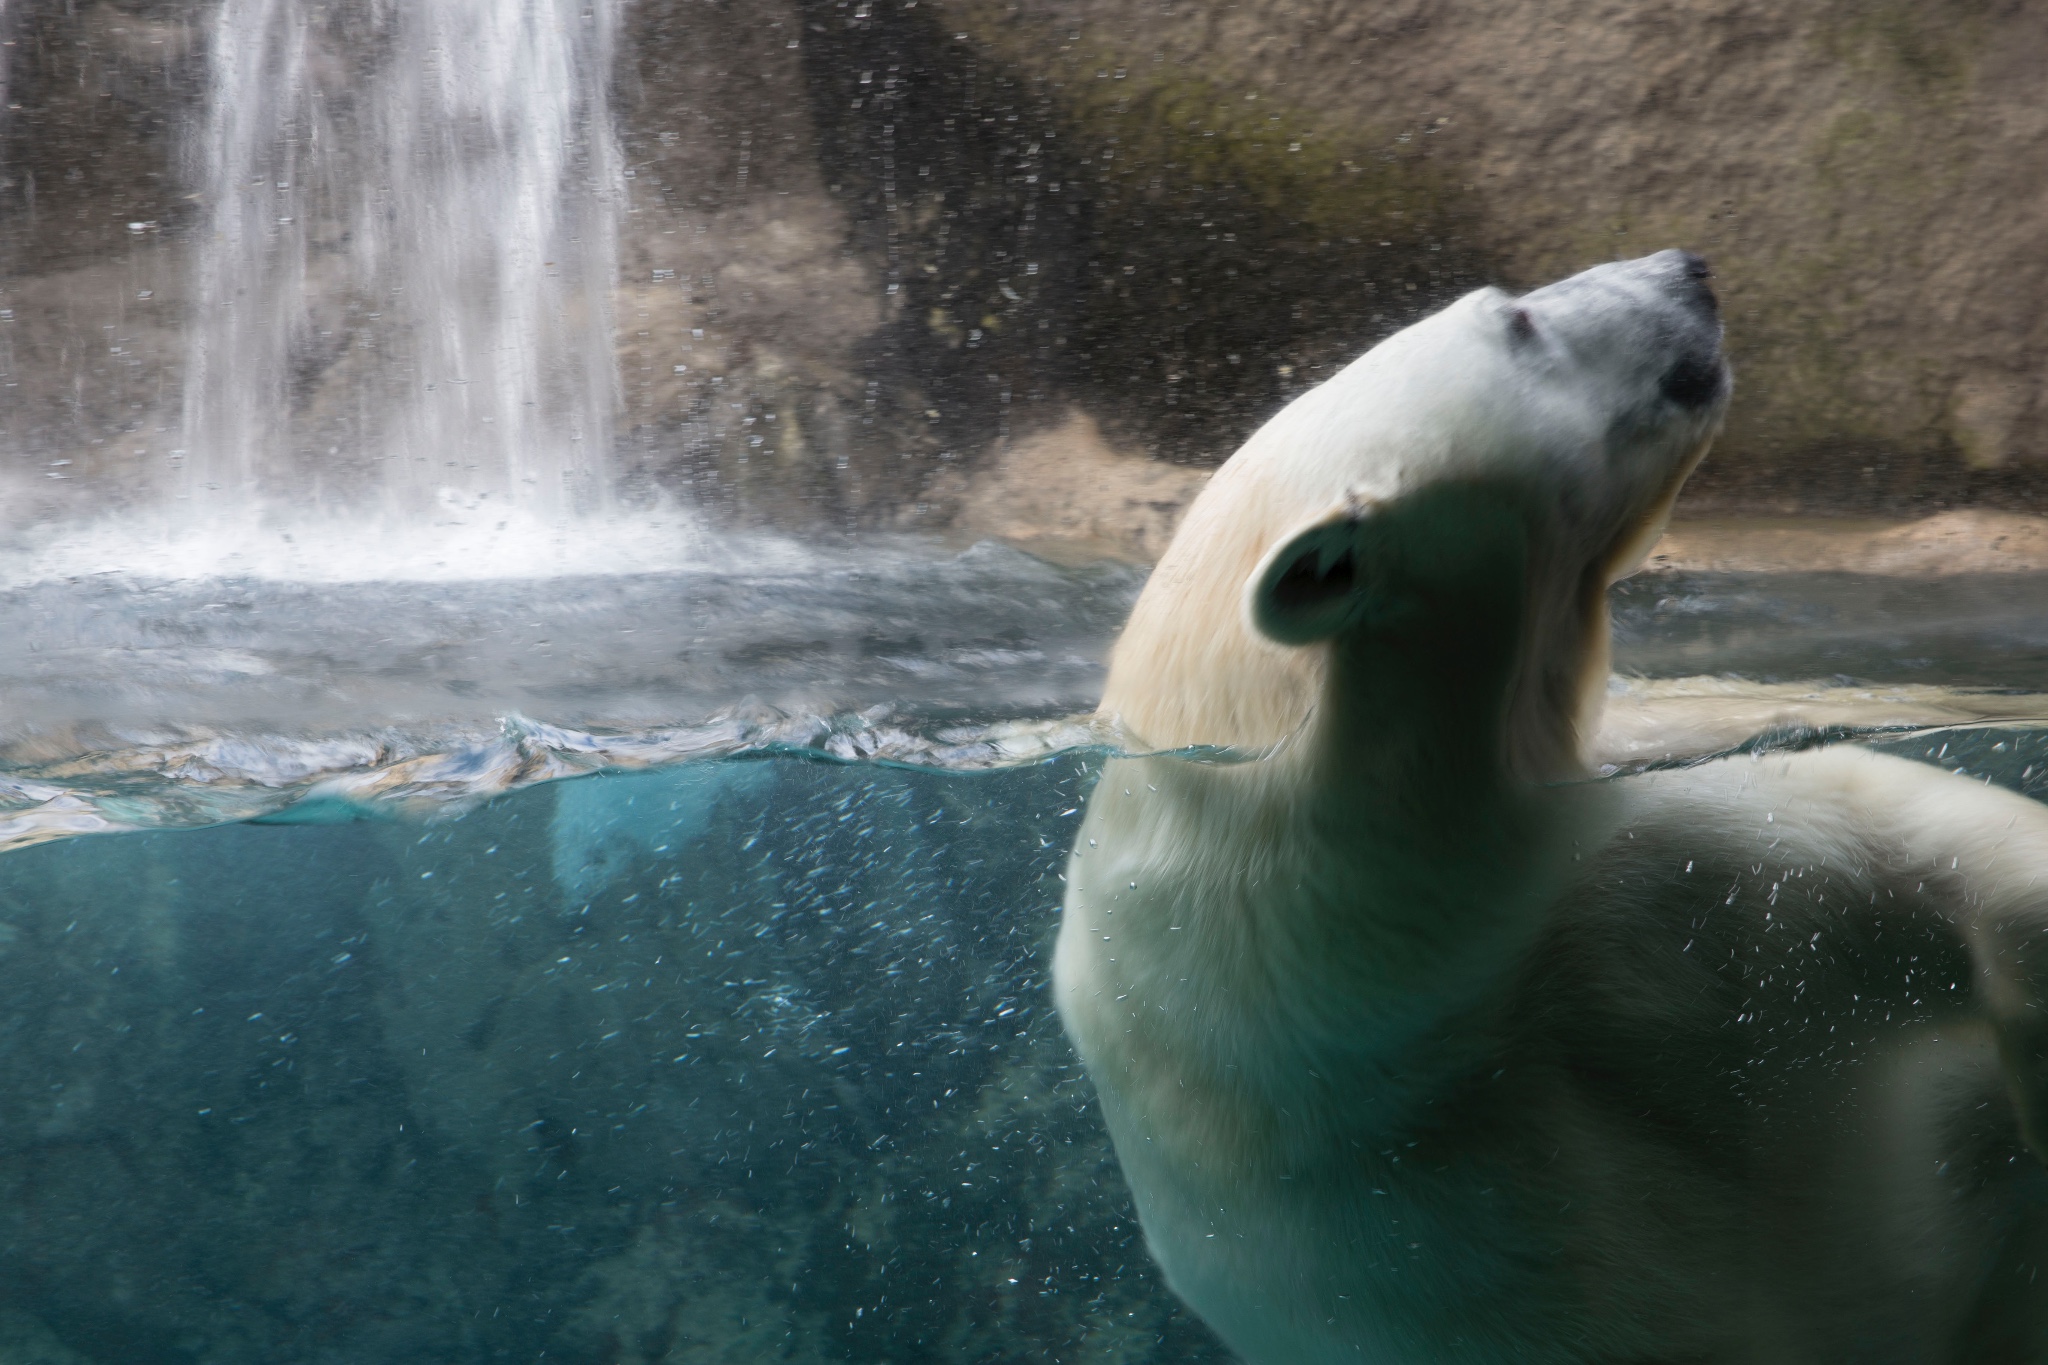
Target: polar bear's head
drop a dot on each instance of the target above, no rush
(1457, 499)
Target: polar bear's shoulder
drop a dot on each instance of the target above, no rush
(1847, 794)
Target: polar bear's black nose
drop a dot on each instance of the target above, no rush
(1699, 377)
(1686, 278)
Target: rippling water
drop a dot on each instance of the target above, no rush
(734, 1047)
(128, 701)
(132, 702)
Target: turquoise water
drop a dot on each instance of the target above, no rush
(397, 1028)
(744, 1060)
(737, 1060)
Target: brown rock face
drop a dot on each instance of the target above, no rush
(742, 308)
(1964, 541)
(1864, 177)
(868, 246)
(1065, 492)
(92, 206)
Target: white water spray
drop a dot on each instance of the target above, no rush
(402, 293)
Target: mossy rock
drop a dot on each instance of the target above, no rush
(1175, 252)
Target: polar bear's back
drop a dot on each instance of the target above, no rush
(1811, 911)
(1803, 978)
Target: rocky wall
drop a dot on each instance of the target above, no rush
(873, 246)
(94, 212)
(1862, 173)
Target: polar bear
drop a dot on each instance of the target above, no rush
(1418, 1043)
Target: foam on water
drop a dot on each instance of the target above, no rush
(467, 537)
(192, 689)
(162, 780)
(818, 629)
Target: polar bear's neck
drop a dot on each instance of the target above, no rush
(1471, 682)
(1251, 920)
(1375, 872)
(1190, 671)
(1357, 886)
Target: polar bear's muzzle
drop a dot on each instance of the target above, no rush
(1699, 377)
(1695, 381)
(1658, 311)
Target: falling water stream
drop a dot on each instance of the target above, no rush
(403, 277)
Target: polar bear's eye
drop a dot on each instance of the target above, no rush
(1521, 326)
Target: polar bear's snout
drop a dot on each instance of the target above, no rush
(1699, 377)
(1658, 312)
(1688, 276)
(1699, 272)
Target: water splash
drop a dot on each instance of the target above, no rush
(404, 277)
(200, 777)
(448, 540)
(203, 778)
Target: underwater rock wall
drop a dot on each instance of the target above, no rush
(873, 247)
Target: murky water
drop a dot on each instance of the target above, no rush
(735, 1046)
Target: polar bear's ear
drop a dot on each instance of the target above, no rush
(1455, 547)
(1311, 586)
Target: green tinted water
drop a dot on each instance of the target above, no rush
(732, 1061)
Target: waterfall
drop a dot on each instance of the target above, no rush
(409, 241)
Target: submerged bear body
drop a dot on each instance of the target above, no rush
(1419, 1044)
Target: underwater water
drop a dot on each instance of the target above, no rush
(392, 1020)
(739, 1060)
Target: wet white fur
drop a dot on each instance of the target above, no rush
(1416, 1045)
